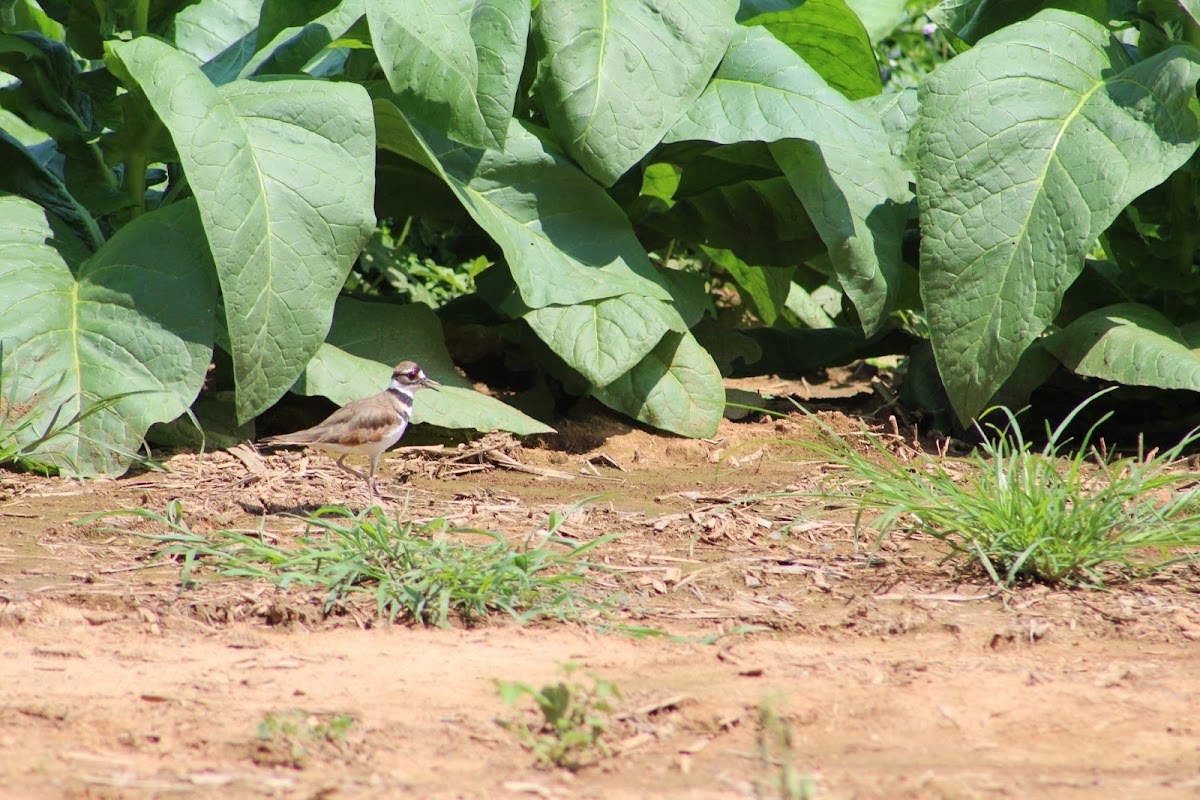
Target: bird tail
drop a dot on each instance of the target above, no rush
(300, 437)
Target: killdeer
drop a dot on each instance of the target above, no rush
(367, 426)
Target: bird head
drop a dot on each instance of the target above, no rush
(408, 375)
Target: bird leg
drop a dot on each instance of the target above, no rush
(341, 462)
(371, 477)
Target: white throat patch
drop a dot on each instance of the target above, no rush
(403, 391)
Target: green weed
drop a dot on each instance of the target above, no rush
(1065, 513)
(776, 754)
(289, 737)
(913, 49)
(416, 263)
(574, 718)
(416, 572)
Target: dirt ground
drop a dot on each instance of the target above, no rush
(896, 676)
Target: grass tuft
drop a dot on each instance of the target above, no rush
(1065, 513)
(414, 572)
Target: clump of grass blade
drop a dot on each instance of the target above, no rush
(418, 572)
(1065, 513)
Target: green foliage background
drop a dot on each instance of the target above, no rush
(186, 183)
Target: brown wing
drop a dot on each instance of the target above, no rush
(356, 422)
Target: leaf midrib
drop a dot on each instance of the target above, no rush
(601, 54)
(1040, 180)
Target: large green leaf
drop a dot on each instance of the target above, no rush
(210, 424)
(49, 94)
(368, 339)
(603, 339)
(220, 34)
(90, 24)
(971, 20)
(276, 16)
(19, 129)
(898, 113)
(814, 309)
(581, 273)
(500, 30)
(130, 320)
(27, 15)
(1192, 9)
(764, 289)
(834, 153)
(1132, 344)
(564, 238)
(429, 58)
(1029, 146)
(284, 174)
(879, 16)
(735, 197)
(761, 221)
(862, 227)
(294, 47)
(599, 339)
(616, 75)
(676, 388)
(25, 175)
(801, 350)
(831, 39)
(567, 244)
(727, 346)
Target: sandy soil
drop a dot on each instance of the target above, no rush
(896, 676)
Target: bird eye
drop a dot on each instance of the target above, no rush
(412, 374)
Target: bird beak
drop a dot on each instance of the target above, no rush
(431, 383)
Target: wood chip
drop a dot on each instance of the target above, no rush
(729, 722)
(634, 742)
(527, 787)
(607, 460)
(250, 459)
(57, 652)
(650, 709)
(508, 462)
(944, 598)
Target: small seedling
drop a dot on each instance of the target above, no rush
(288, 738)
(776, 754)
(574, 718)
